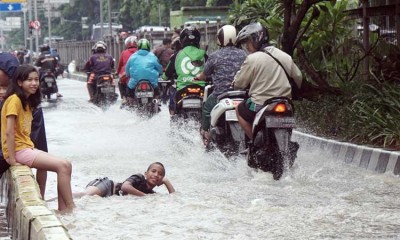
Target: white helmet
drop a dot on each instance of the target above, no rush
(100, 45)
(131, 41)
(226, 36)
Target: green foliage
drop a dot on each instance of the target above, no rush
(250, 11)
(376, 114)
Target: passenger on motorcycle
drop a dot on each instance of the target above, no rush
(221, 67)
(99, 63)
(187, 63)
(131, 48)
(46, 61)
(264, 75)
(143, 65)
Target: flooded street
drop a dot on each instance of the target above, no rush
(216, 198)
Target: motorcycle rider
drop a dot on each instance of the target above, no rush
(46, 61)
(99, 63)
(143, 65)
(131, 48)
(262, 73)
(221, 67)
(186, 64)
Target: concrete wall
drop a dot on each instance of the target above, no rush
(27, 214)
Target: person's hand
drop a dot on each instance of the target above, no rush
(164, 181)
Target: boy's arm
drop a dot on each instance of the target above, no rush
(168, 185)
(128, 188)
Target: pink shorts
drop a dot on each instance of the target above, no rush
(27, 156)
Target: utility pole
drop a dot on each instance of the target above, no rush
(101, 18)
(49, 20)
(37, 31)
(30, 19)
(109, 18)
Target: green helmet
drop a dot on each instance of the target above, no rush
(144, 44)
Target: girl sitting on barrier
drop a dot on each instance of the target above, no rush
(21, 97)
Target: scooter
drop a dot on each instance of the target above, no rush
(226, 134)
(189, 102)
(145, 100)
(48, 84)
(272, 149)
(104, 94)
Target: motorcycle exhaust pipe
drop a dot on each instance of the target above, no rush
(156, 101)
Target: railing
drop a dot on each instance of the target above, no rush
(26, 213)
(80, 51)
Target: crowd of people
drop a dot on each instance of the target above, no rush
(245, 59)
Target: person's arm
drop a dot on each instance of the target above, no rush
(170, 71)
(243, 77)
(168, 185)
(10, 138)
(129, 189)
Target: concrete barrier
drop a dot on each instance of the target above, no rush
(27, 214)
(374, 159)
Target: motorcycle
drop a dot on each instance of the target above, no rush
(272, 149)
(163, 85)
(144, 100)
(225, 131)
(104, 92)
(48, 84)
(189, 102)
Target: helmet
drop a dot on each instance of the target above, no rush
(144, 44)
(100, 46)
(131, 41)
(45, 48)
(226, 36)
(176, 44)
(257, 33)
(190, 36)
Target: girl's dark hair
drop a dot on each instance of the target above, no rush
(158, 163)
(22, 74)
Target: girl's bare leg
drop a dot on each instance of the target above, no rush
(63, 168)
(41, 178)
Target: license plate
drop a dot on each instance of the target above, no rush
(191, 103)
(107, 89)
(280, 122)
(49, 84)
(230, 115)
(144, 94)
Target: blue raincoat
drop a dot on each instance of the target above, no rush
(143, 65)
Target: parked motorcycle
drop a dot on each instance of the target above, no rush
(145, 100)
(104, 92)
(225, 132)
(189, 102)
(272, 149)
(48, 84)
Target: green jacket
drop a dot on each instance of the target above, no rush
(188, 63)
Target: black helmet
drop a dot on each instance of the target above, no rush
(190, 36)
(257, 33)
(45, 48)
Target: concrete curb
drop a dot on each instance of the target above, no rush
(27, 214)
(374, 159)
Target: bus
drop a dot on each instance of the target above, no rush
(96, 30)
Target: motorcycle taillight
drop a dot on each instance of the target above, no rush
(280, 108)
(143, 86)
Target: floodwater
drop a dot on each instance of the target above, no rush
(216, 197)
